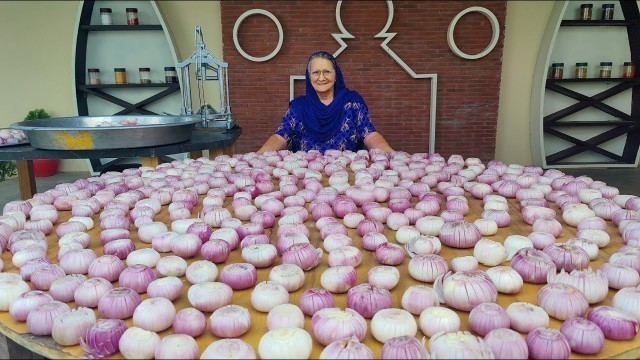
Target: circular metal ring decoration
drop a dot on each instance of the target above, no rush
(494, 38)
(245, 15)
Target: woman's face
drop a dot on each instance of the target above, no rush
(322, 75)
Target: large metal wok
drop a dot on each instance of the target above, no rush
(107, 132)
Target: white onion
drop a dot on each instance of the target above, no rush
(285, 343)
(390, 323)
(437, 319)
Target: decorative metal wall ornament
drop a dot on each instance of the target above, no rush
(239, 22)
(495, 28)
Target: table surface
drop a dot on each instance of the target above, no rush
(202, 139)
(45, 346)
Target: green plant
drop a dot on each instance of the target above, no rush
(7, 169)
(37, 114)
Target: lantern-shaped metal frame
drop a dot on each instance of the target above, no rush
(207, 67)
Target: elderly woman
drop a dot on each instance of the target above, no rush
(328, 116)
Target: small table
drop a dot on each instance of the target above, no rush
(217, 142)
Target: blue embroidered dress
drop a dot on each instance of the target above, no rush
(356, 125)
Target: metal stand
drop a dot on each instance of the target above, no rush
(207, 67)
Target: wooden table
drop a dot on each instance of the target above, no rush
(45, 346)
(214, 140)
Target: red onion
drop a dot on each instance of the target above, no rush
(46, 275)
(368, 299)
(459, 234)
(239, 276)
(118, 303)
(331, 324)
(533, 265)
(109, 235)
(594, 285)
(303, 255)
(107, 267)
(137, 277)
(614, 323)
(545, 343)
(27, 302)
(371, 240)
(541, 240)
(427, 268)
(465, 290)
(486, 317)
(230, 321)
(103, 338)
(120, 248)
(315, 299)
(347, 348)
(31, 266)
(390, 254)
(620, 276)
(40, 320)
(507, 344)
(568, 257)
(63, 289)
(189, 321)
(90, 291)
(215, 250)
(404, 347)
(584, 336)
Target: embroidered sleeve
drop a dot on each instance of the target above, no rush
(288, 125)
(364, 126)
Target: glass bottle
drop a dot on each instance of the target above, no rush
(105, 16)
(145, 75)
(605, 70)
(581, 70)
(607, 11)
(170, 75)
(628, 70)
(132, 16)
(585, 11)
(94, 76)
(557, 70)
(120, 75)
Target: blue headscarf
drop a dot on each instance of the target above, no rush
(322, 121)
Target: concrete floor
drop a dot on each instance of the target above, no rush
(626, 180)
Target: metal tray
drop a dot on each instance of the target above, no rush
(107, 132)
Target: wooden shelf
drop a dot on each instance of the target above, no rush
(598, 22)
(128, 86)
(120, 27)
(591, 80)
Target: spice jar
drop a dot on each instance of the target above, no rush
(581, 70)
(145, 75)
(557, 70)
(94, 76)
(607, 11)
(628, 70)
(120, 75)
(585, 11)
(605, 69)
(170, 75)
(105, 16)
(132, 16)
